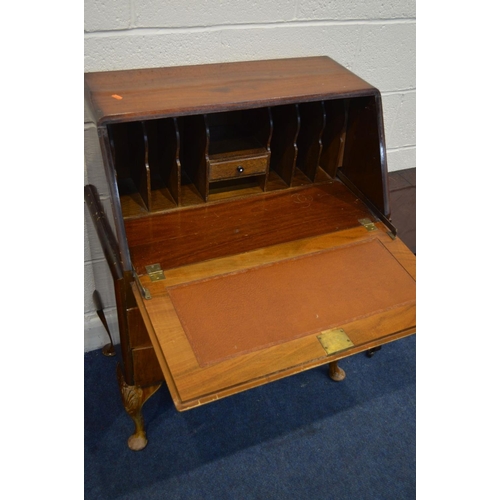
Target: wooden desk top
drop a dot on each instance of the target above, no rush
(192, 383)
(231, 227)
(161, 92)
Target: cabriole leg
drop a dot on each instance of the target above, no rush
(336, 373)
(133, 398)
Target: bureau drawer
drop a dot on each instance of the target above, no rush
(239, 167)
(147, 370)
(138, 334)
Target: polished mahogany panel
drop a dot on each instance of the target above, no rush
(148, 93)
(206, 232)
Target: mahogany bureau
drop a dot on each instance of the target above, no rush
(251, 236)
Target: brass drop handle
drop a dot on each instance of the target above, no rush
(240, 169)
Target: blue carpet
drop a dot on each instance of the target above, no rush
(304, 437)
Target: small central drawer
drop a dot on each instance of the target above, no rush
(238, 167)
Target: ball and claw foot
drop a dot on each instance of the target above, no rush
(133, 398)
(137, 442)
(336, 373)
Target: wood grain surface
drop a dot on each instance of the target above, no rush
(231, 227)
(136, 94)
(192, 385)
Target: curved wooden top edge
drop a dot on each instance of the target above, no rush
(136, 94)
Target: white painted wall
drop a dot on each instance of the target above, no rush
(374, 39)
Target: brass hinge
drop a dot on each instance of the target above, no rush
(368, 224)
(144, 291)
(155, 272)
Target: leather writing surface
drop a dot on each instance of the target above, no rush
(236, 313)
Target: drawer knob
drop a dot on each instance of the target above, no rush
(240, 169)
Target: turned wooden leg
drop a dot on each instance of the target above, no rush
(133, 397)
(336, 373)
